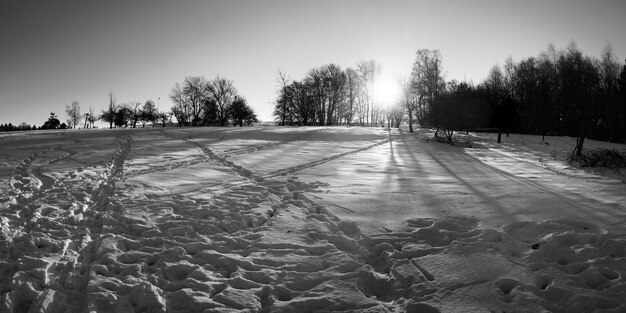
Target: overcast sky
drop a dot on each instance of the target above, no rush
(55, 52)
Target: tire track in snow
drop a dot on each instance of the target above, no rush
(300, 167)
(219, 157)
(254, 148)
(527, 181)
(585, 206)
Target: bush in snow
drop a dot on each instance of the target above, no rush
(602, 157)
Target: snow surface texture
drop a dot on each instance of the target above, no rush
(303, 220)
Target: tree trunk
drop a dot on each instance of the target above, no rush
(579, 146)
(499, 137)
(410, 119)
(578, 149)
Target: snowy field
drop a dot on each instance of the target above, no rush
(305, 220)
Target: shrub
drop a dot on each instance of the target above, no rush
(603, 157)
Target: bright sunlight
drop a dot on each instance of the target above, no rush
(387, 90)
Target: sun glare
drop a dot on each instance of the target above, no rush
(387, 90)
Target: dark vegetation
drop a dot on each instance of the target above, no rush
(603, 157)
(558, 92)
(196, 103)
(199, 102)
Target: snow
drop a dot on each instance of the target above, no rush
(268, 219)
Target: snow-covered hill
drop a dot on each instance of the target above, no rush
(272, 219)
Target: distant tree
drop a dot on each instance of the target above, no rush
(352, 95)
(86, 118)
(52, 122)
(547, 93)
(366, 71)
(334, 88)
(222, 92)
(408, 102)
(242, 113)
(477, 107)
(446, 114)
(395, 115)
(72, 112)
(148, 113)
(122, 116)
(508, 77)
(428, 82)
(496, 88)
(301, 97)
(580, 83)
(108, 115)
(195, 92)
(609, 113)
(621, 103)
(284, 102)
(163, 117)
(526, 93)
(210, 115)
(90, 118)
(134, 112)
(24, 126)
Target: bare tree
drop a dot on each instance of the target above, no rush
(352, 91)
(222, 92)
(164, 117)
(90, 118)
(609, 69)
(509, 70)
(409, 96)
(73, 114)
(180, 110)
(195, 92)
(367, 73)
(427, 80)
(148, 113)
(284, 98)
(495, 86)
(108, 115)
(580, 84)
(134, 111)
(334, 87)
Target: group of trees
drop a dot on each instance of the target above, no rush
(198, 102)
(329, 95)
(559, 92)
(10, 127)
(130, 113)
(51, 123)
(564, 92)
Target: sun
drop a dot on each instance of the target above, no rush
(386, 90)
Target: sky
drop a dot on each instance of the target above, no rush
(56, 52)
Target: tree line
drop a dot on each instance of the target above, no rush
(329, 95)
(558, 92)
(197, 102)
